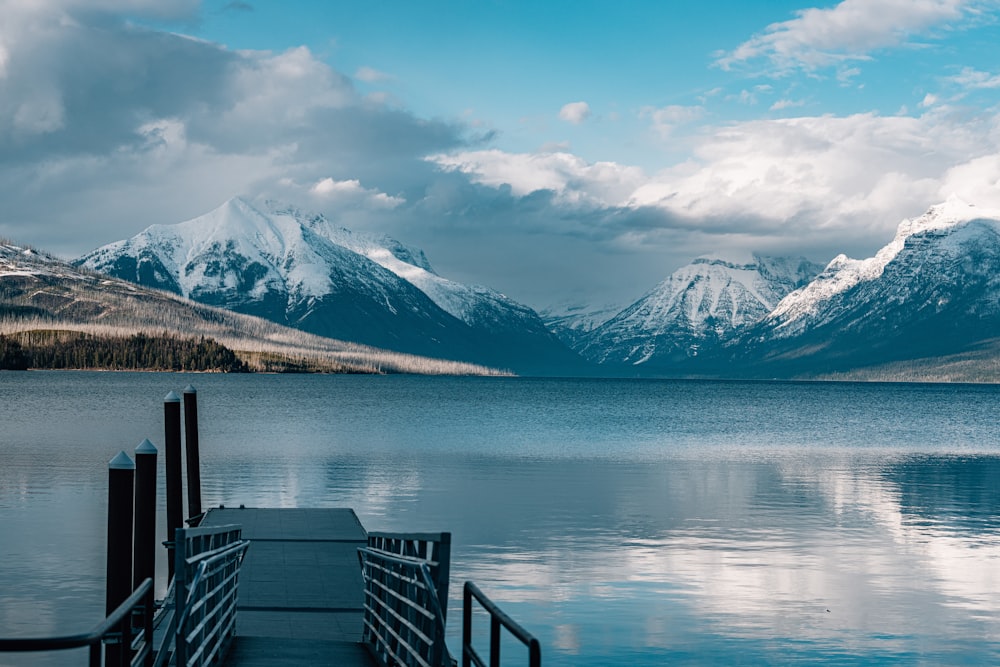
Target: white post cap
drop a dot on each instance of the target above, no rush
(145, 447)
(121, 462)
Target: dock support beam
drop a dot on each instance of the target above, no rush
(144, 553)
(191, 445)
(121, 492)
(172, 447)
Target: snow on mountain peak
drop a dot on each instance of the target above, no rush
(284, 247)
(951, 212)
(732, 258)
(843, 273)
(704, 301)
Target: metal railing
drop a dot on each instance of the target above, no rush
(403, 619)
(497, 619)
(119, 624)
(432, 548)
(209, 615)
(206, 579)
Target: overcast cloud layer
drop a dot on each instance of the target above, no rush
(107, 127)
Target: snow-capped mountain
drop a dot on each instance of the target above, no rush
(695, 308)
(933, 290)
(300, 269)
(45, 299)
(571, 322)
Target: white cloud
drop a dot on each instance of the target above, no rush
(351, 191)
(845, 180)
(572, 179)
(832, 173)
(371, 75)
(575, 112)
(134, 126)
(555, 147)
(971, 78)
(929, 100)
(846, 75)
(851, 30)
(666, 119)
(285, 87)
(103, 124)
(976, 181)
(786, 104)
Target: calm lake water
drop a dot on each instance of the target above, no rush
(622, 522)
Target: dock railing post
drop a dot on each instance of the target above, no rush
(191, 445)
(121, 495)
(144, 552)
(172, 447)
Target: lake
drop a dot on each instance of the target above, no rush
(623, 522)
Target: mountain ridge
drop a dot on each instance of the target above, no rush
(931, 293)
(697, 305)
(300, 269)
(40, 293)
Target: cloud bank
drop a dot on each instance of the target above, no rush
(107, 127)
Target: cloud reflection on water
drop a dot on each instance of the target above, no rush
(705, 536)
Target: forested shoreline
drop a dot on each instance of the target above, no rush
(63, 350)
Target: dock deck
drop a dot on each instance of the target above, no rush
(300, 590)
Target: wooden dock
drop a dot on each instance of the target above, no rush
(300, 589)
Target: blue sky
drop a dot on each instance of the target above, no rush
(557, 151)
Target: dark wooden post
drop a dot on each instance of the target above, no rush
(121, 492)
(144, 553)
(191, 445)
(172, 445)
(466, 625)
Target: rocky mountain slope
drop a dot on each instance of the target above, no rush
(299, 269)
(694, 309)
(933, 291)
(572, 322)
(41, 293)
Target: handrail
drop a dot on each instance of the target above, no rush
(199, 574)
(390, 625)
(434, 548)
(419, 565)
(497, 619)
(213, 609)
(118, 624)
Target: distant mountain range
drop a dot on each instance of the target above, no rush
(932, 293)
(299, 269)
(926, 306)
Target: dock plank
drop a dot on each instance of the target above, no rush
(301, 591)
(269, 652)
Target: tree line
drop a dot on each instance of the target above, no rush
(72, 350)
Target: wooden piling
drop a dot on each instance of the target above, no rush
(144, 551)
(121, 495)
(172, 453)
(191, 449)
